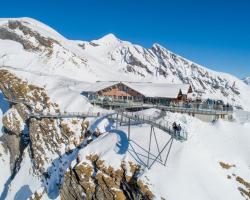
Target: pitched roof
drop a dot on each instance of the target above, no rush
(147, 89)
(155, 89)
(97, 86)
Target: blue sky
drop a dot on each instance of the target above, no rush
(214, 33)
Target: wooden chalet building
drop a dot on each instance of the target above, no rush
(138, 92)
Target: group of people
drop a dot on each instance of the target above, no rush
(176, 128)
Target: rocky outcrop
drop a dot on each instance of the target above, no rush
(15, 119)
(35, 98)
(13, 122)
(54, 143)
(12, 143)
(8, 33)
(38, 195)
(91, 179)
(51, 138)
(243, 184)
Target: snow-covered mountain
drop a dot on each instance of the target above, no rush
(247, 80)
(77, 158)
(30, 45)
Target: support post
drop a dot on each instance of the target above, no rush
(117, 121)
(128, 129)
(121, 118)
(149, 148)
(172, 139)
(157, 144)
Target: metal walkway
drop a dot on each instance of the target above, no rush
(126, 118)
(121, 117)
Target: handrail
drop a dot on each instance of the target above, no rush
(181, 136)
(167, 108)
(143, 118)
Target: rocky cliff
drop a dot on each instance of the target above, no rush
(52, 145)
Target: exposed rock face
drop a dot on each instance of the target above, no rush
(54, 143)
(24, 32)
(243, 185)
(51, 138)
(15, 88)
(93, 180)
(13, 122)
(13, 144)
(8, 33)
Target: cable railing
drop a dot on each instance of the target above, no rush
(195, 110)
(70, 114)
(179, 135)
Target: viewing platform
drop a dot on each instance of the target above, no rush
(193, 110)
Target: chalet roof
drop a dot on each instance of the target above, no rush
(147, 89)
(155, 89)
(97, 86)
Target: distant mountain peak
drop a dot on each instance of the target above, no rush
(156, 45)
(246, 80)
(107, 40)
(32, 45)
(110, 36)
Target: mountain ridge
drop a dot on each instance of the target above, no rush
(91, 157)
(109, 58)
(246, 80)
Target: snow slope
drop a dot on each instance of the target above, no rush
(41, 56)
(26, 182)
(193, 170)
(64, 91)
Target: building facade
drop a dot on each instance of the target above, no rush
(138, 92)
